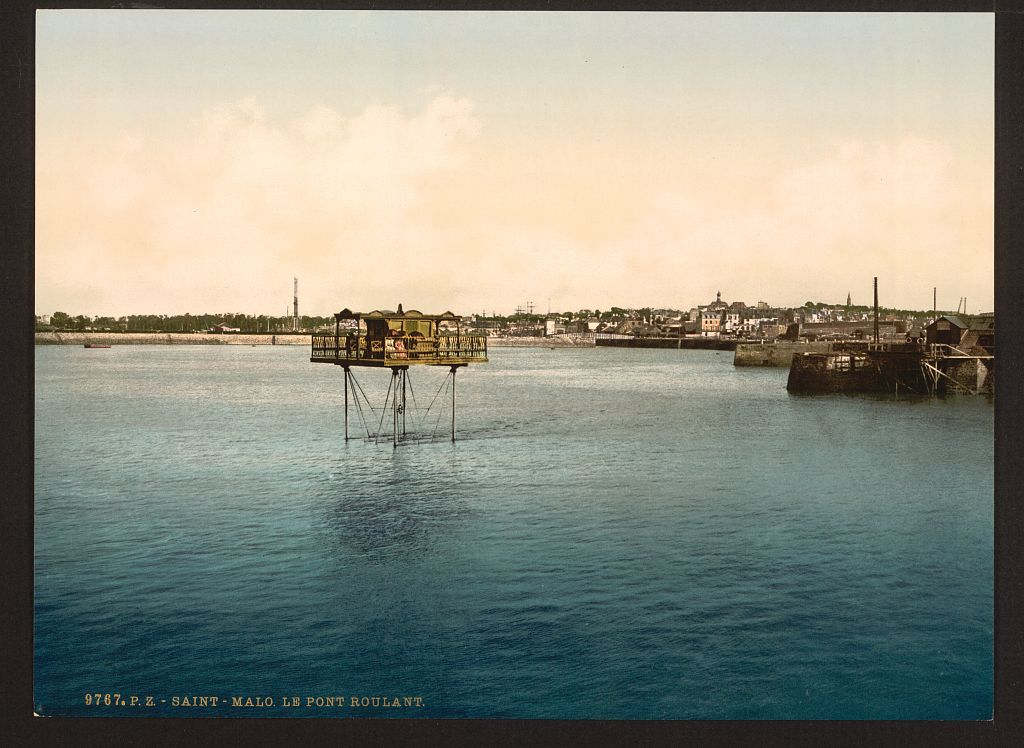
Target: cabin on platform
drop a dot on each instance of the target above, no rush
(946, 330)
(964, 331)
(399, 338)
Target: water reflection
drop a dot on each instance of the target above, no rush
(401, 514)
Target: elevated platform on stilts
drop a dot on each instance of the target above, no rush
(397, 340)
(391, 339)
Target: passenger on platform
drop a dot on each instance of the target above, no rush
(412, 342)
(398, 344)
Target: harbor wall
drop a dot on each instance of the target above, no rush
(538, 341)
(711, 344)
(778, 353)
(167, 338)
(813, 374)
(895, 372)
(974, 374)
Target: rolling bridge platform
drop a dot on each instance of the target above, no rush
(396, 340)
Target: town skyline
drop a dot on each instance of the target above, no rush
(448, 160)
(529, 310)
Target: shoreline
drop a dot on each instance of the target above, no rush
(169, 338)
(196, 338)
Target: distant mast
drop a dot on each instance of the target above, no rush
(876, 308)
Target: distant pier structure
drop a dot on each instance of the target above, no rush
(955, 354)
(894, 368)
(396, 340)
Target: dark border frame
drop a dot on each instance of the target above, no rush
(18, 727)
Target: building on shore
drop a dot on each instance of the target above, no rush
(966, 332)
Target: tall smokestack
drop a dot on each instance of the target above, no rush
(876, 308)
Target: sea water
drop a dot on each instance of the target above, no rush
(615, 533)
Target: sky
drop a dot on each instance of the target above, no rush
(196, 161)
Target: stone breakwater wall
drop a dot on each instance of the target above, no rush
(166, 338)
(779, 353)
(551, 341)
(684, 344)
(818, 374)
(974, 374)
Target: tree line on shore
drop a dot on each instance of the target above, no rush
(62, 322)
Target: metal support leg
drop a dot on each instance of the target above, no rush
(454, 369)
(346, 402)
(405, 375)
(394, 408)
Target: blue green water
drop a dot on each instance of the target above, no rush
(617, 533)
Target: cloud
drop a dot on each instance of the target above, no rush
(391, 206)
(814, 230)
(223, 215)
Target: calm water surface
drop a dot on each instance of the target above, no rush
(616, 534)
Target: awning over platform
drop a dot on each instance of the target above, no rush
(399, 314)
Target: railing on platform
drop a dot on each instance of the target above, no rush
(945, 350)
(408, 348)
(883, 346)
